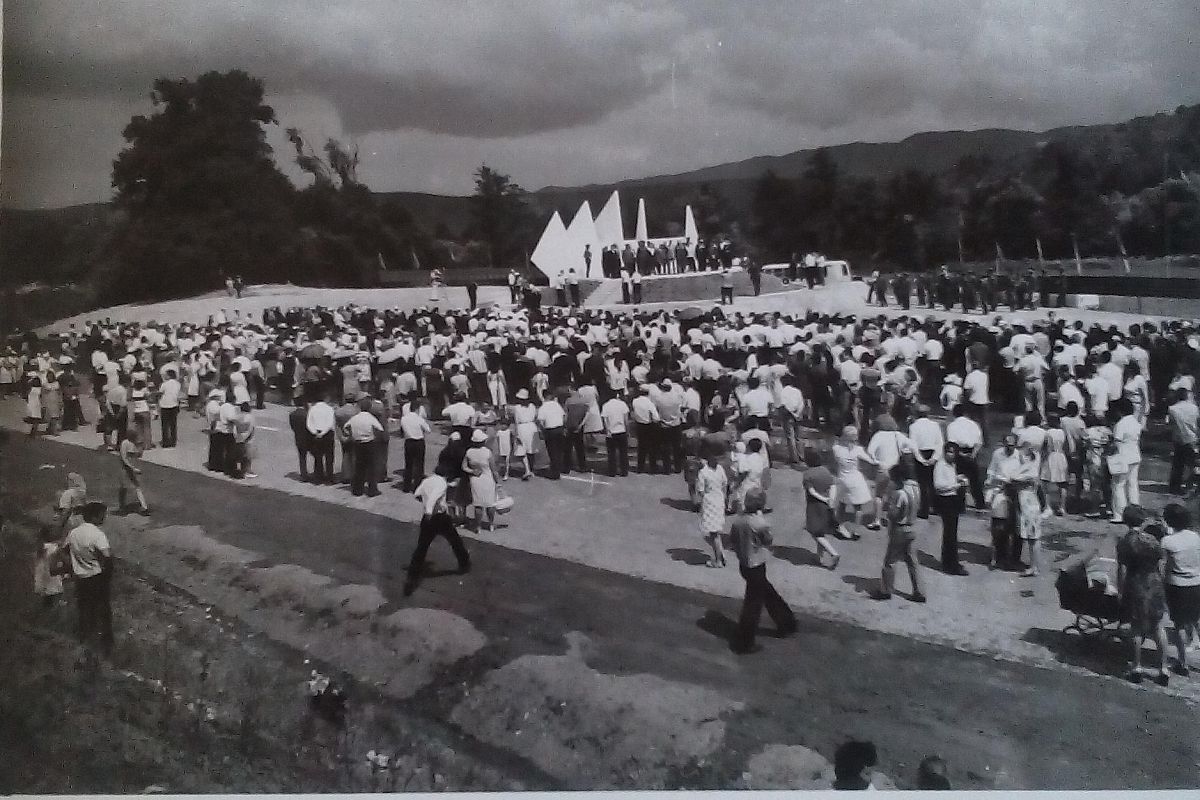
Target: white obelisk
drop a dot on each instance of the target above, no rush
(551, 254)
(580, 233)
(609, 228)
(642, 231)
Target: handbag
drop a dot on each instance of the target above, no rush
(504, 501)
(1117, 465)
(60, 563)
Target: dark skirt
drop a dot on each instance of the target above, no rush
(1184, 604)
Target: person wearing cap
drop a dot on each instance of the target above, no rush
(524, 418)
(435, 521)
(480, 467)
(750, 538)
(91, 563)
(359, 434)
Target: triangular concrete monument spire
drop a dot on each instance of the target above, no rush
(642, 231)
(609, 228)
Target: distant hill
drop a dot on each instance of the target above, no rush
(50, 245)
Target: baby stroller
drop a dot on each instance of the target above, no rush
(1086, 594)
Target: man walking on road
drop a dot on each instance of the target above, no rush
(435, 522)
(750, 537)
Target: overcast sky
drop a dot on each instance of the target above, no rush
(561, 92)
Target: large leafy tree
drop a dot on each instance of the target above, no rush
(346, 233)
(199, 191)
(501, 216)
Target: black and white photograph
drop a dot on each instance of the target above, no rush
(420, 396)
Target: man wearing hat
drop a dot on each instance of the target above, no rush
(68, 382)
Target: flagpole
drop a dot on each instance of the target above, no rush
(1078, 260)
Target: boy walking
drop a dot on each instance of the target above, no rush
(750, 538)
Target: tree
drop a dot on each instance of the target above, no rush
(818, 190)
(501, 216)
(346, 232)
(199, 191)
(776, 217)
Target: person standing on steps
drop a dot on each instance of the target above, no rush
(750, 537)
(435, 522)
(573, 287)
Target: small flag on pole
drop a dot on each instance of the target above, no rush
(1041, 256)
(1078, 260)
(416, 261)
(1124, 255)
(999, 257)
(382, 264)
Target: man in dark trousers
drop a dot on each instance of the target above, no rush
(750, 537)
(435, 522)
(472, 294)
(298, 421)
(754, 269)
(91, 563)
(587, 261)
(573, 287)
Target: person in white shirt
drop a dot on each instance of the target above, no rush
(413, 428)
(462, 416)
(320, 424)
(1113, 375)
(1127, 435)
(615, 415)
(975, 393)
(90, 557)
(551, 420)
(1184, 416)
(966, 433)
(756, 405)
(168, 408)
(927, 443)
(791, 408)
(435, 521)
(362, 431)
(1032, 367)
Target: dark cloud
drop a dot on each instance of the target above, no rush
(576, 91)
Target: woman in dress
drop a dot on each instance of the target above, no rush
(593, 424)
(52, 404)
(33, 406)
(712, 485)
(480, 467)
(524, 417)
(750, 471)
(1137, 391)
(853, 491)
(1029, 508)
(1055, 473)
(1140, 586)
(1097, 439)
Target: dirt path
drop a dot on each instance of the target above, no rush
(548, 674)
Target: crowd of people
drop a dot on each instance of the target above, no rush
(893, 421)
(983, 291)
